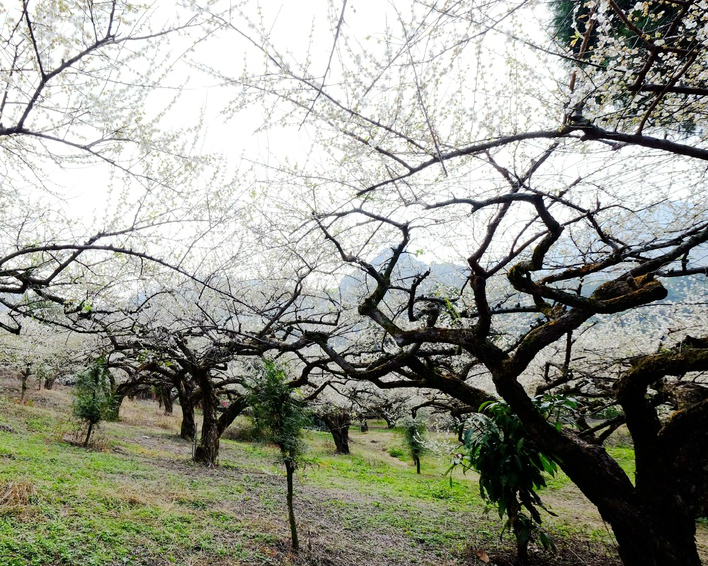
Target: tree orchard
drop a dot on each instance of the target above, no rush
(570, 195)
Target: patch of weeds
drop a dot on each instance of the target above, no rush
(242, 432)
(40, 423)
(192, 503)
(15, 493)
(399, 453)
(559, 481)
(624, 455)
(440, 492)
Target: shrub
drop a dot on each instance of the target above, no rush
(413, 431)
(93, 400)
(396, 452)
(280, 418)
(511, 467)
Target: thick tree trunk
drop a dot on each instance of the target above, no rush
(188, 428)
(207, 452)
(338, 425)
(654, 539)
(652, 528)
(167, 400)
(49, 382)
(290, 470)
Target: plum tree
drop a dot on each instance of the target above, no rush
(572, 196)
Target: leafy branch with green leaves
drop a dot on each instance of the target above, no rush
(511, 466)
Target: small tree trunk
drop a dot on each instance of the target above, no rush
(25, 379)
(290, 470)
(522, 540)
(460, 430)
(416, 459)
(88, 435)
(338, 425)
(364, 426)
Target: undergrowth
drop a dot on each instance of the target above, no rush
(138, 500)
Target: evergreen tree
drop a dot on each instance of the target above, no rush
(280, 418)
(93, 399)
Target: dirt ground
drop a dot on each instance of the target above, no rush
(338, 526)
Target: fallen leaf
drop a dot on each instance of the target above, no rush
(483, 556)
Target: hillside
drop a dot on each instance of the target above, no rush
(138, 500)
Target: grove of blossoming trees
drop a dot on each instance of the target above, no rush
(571, 183)
(563, 172)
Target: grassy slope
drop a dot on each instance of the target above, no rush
(139, 500)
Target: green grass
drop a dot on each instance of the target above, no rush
(139, 500)
(100, 508)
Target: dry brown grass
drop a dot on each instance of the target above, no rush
(147, 414)
(15, 495)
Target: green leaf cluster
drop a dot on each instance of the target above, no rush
(511, 466)
(278, 415)
(93, 398)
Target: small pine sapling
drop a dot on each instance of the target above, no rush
(280, 417)
(93, 399)
(413, 431)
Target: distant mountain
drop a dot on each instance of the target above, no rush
(453, 276)
(407, 268)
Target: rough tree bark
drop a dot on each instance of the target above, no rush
(165, 394)
(213, 424)
(50, 381)
(188, 428)
(338, 423)
(207, 451)
(651, 521)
